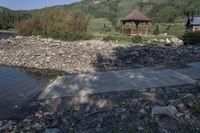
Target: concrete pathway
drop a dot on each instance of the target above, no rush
(131, 79)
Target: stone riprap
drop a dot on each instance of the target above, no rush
(153, 110)
(90, 56)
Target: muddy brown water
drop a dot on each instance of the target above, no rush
(19, 90)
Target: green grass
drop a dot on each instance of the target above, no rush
(176, 29)
(149, 40)
(192, 38)
(96, 25)
(118, 39)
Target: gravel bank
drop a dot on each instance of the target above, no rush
(90, 56)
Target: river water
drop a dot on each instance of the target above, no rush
(5, 35)
(18, 90)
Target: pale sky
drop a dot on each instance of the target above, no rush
(32, 4)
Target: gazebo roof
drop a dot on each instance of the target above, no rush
(136, 16)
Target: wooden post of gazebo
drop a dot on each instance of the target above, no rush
(136, 17)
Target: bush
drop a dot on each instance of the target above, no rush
(192, 37)
(122, 39)
(125, 39)
(57, 24)
(137, 39)
(29, 27)
(108, 38)
(156, 30)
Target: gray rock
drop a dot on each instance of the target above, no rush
(52, 130)
(179, 115)
(8, 126)
(188, 96)
(1, 123)
(181, 107)
(135, 53)
(123, 116)
(48, 59)
(140, 128)
(164, 110)
(187, 116)
(176, 42)
(18, 37)
(161, 130)
(142, 111)
(149, 96)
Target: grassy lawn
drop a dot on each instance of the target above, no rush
(176, 29)
(101, 28)
(99, 25)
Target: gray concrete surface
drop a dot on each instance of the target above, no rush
(83, 84)
(193, 71)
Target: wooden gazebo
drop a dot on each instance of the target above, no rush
(135, 18)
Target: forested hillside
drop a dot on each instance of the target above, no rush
(9, 17)
(158, 10)
(161, 11)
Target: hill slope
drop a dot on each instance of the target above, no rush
(9, 17)
(159, 11)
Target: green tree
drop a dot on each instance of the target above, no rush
(113, 12)
(156, 30)
(56, 23)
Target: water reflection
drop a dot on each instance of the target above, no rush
(17, 88)
(5, 35)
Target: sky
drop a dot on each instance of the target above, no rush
(32, 4)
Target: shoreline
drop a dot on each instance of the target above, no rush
(45, 72)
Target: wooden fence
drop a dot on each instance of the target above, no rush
(135, 31)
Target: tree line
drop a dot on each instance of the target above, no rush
(56, 23)
(9, 19)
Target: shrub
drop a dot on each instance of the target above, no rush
(137, 39)
(57, 24)
(125, 39)
(191, 37)
(122, 39)
(156, 30)
(108, 38)
(30, 26)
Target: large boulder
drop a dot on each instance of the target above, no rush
(176, 42)
(164, 110)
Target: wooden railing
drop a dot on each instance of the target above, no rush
(135, 31)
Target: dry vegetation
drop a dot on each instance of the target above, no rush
(56, 24)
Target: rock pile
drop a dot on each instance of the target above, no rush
(171, 111)
(89, 56)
